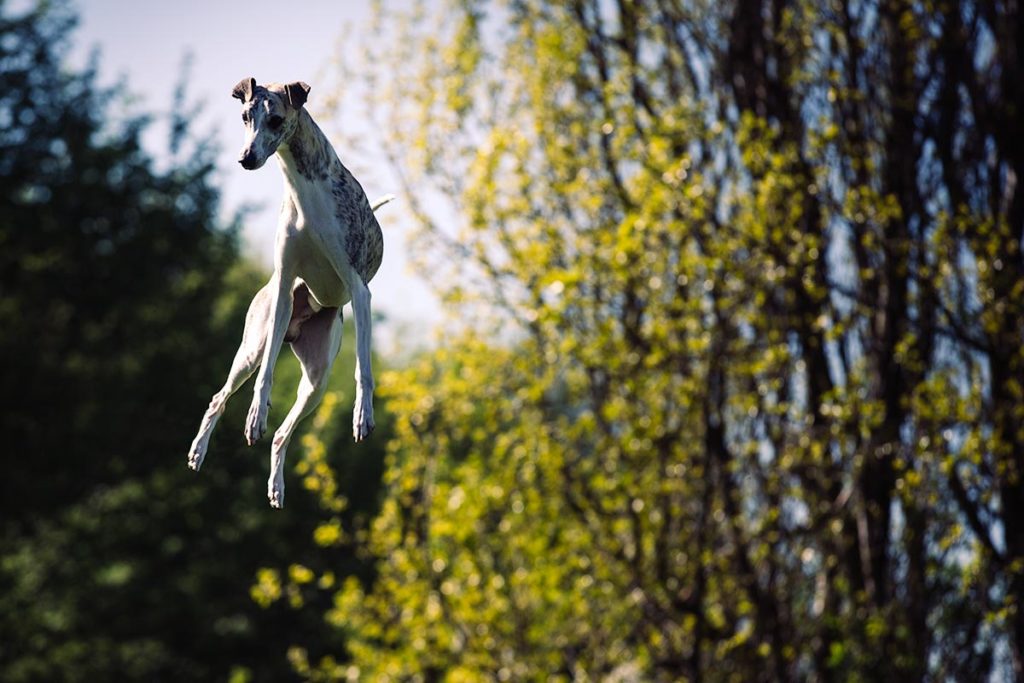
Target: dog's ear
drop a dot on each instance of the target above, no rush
(244, 90)
(297, 93)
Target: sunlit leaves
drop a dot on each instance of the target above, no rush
(733, 417)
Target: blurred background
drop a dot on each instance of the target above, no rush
(698, 344)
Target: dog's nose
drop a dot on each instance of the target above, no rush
(247, 160)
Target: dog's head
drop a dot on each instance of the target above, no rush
(270, 114)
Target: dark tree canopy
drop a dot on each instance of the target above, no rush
(103, 269)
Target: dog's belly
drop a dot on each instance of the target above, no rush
(326, 292)
(325, 287)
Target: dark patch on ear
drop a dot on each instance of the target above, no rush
(244, 90)
(297, 93)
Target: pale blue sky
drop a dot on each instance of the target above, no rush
(145, 41)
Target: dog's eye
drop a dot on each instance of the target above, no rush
(275, 122)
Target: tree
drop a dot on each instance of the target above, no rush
(757, 266)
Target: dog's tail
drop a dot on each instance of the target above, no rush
(381, 201)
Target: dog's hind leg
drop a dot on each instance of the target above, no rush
(362, 415)
(316, 349)
(335, 249)
(247, 359)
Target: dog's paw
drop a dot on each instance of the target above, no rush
(195, 458)
(362, 420)
(256, 422)
(197, 452)
(275, 493)
(362, 431)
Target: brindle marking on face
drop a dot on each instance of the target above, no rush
(264, 105)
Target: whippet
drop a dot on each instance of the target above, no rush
(328, 247)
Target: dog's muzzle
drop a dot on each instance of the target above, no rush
(248, 160)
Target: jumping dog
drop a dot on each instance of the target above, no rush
(328, 247)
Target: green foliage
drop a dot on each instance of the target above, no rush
(755, 415)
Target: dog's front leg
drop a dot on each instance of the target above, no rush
(281, 306)
(254, 338)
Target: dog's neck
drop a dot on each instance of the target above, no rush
(306, 155)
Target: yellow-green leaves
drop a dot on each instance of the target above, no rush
(713, 398)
